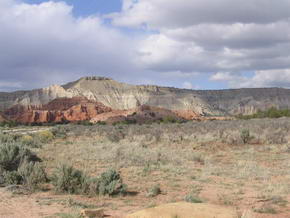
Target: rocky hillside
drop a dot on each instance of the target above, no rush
(124, 96)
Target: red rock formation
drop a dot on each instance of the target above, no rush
(58, 110)
(61, 104)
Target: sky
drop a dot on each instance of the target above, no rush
(193, 44)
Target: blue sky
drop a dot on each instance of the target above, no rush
(198, 44)
(89, 7)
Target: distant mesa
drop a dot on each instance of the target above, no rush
(96, 78)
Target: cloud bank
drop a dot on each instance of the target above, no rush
(44, 43)
(224, 36)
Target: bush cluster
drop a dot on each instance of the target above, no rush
(270, 113)
(7, 138)
(126, 122)
(109, 183)
(13, 155)
(66, 179)
(9, 124)
(32, 174)
(169, 119)
(34, 140)
(18, 165)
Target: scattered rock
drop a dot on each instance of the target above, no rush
(92, 213)
(186, 210)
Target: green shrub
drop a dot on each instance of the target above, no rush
(33, 175)
(9, 124)
(169, 119)
(18, 165)
(192, 199)
(270, 113)
(45, 136)
(126, 122)
(7, 138)
(84, 123)
(269, 210)
(66, 179)
(12, 155)
(245, 136)
(12, 178)
(154, 191)
(110, 183)
(26, 139)
(101, 123)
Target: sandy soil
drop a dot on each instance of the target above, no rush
(28, 206)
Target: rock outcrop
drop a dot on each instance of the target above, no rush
(58, 110)
(186, 210)
(121, 96)
(141, 114)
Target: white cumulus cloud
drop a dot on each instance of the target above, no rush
(44, 43)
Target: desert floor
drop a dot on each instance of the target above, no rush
(195, 161)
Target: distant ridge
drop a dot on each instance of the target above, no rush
(122, 96)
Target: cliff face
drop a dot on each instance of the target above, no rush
(124, 96)
(36, 97)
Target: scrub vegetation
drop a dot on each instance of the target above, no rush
(123, 168)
